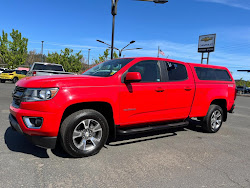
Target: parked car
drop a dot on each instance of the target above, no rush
(46, 69)
(12, 75)
(243, 90)
(121, 96)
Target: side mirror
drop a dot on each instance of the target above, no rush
(133, 77)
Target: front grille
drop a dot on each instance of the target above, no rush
(17, 96)
(21, 89)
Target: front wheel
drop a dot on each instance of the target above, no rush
(84, 133)
(2, 81)
(212, 122)
(15, 80)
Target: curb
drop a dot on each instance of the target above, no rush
(243, 95)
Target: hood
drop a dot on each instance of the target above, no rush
(62, 81)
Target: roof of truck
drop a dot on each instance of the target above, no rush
(173, 60)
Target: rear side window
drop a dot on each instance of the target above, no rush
(24, 72)
(212, 74)
(176, 72)
(18, 72)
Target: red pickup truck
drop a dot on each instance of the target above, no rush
(121, 96)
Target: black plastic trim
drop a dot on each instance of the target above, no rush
(14, 124)
(43, 141)
(232, 109)
(151, 128)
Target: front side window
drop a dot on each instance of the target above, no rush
(150, 71)
(108, 68)
(176, 71)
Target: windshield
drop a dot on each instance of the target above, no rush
(47, 67)
(107, 68)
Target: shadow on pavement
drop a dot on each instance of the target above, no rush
(18, 143)
(59, 152)
(195, 125)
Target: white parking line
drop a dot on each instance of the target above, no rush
(241, 115)
(243, 107)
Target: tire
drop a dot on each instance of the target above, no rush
(212, 122)
(15, 80)
(2, 81)
(84, 133)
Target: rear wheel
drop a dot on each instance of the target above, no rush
(15, 80)
(212, 122)
(84, 133)
(2, 81)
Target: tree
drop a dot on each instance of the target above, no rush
(32, 57)
(71, 62)
(13, 52)
(105, 56)
(4, 55)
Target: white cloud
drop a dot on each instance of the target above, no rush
(179, 51)
(243, 4)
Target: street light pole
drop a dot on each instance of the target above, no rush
(88, 57)
(123, 49)
(42, 50)
(113, 12)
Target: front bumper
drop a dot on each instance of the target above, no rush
(41, 141)
(50, 125)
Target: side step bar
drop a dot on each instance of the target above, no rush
(151, 128)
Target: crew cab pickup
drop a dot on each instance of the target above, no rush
(46, 69)
(121, 96)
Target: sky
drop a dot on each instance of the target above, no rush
(174, 26)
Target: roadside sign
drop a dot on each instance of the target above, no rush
(207, 43)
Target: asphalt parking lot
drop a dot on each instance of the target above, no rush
(172, 158)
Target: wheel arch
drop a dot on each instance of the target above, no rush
(223, 104)
(103, 107)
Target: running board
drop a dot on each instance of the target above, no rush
(151, 128)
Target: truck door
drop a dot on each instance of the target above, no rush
(180, 89)
(143, 101)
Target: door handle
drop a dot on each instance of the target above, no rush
(188, 88)
(159, 89)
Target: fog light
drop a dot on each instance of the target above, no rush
(33, 122)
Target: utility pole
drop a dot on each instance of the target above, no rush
(88, 57)
(114, 13)
(42, 50)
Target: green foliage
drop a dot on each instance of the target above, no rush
(242, 82)
(13, 52)
(70, 62)
(105, 56)
(4, 55)
(115, 55)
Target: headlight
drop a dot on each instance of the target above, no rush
(42, 94)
